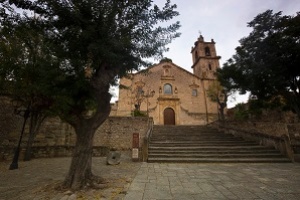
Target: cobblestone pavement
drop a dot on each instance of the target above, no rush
(216, 181)
(37, 179)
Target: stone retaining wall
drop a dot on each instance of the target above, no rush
(283, 136)
(56, 138)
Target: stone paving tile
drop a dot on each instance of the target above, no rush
(157, 194)
(156, 181)
(137, 186)
(222, 181)
(36, 179)
(182, 196)
(134, 195)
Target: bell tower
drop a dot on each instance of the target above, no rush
(205, 59)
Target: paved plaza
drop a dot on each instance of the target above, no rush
(216, 181)
(37, 179)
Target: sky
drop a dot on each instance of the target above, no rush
(225, 21)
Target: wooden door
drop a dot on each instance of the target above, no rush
(169, 116)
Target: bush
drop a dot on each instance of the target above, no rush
(138, 113)
(241, 112)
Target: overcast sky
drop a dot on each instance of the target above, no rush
(225, 21)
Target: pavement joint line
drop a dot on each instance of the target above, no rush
(231, 188)
(224, 181)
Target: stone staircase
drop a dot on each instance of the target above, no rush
(203, 144)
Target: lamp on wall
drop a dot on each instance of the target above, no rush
(160, 90)
(175, 90)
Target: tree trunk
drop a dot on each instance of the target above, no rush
(36, 121)
(222, 117)
(29, 144)
(222, 105)
(80, 172)
(205, 101)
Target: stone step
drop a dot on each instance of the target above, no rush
(209, 151)
(176, 132)
(211, 147)
(205, 144)
(168, 140)
(195, 137)
(220, 148)
(219, 160)
(228, 155)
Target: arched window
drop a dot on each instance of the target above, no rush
(194, 92)
(167, 89)
(209, 67)
(196, 55)
(207, 51)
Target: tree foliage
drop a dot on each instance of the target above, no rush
(267, 61)
(89, 44)
(218, 94)
(25, 68)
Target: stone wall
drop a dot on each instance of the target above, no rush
(283, 136)
(9, 121)
(56, 138)
(117, 132)
(273, 129)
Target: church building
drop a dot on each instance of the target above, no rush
(170, 94)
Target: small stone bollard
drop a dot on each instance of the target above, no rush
(113, 158)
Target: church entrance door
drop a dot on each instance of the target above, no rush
(169, 116)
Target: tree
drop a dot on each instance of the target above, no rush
(267, 61)
(138, 97)
(23, 68)
(218, 94)
(94, 43)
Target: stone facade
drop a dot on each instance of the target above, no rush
(170, 94)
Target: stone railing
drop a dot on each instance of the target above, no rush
(147, 139)
(294, 140)
(284, 137)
